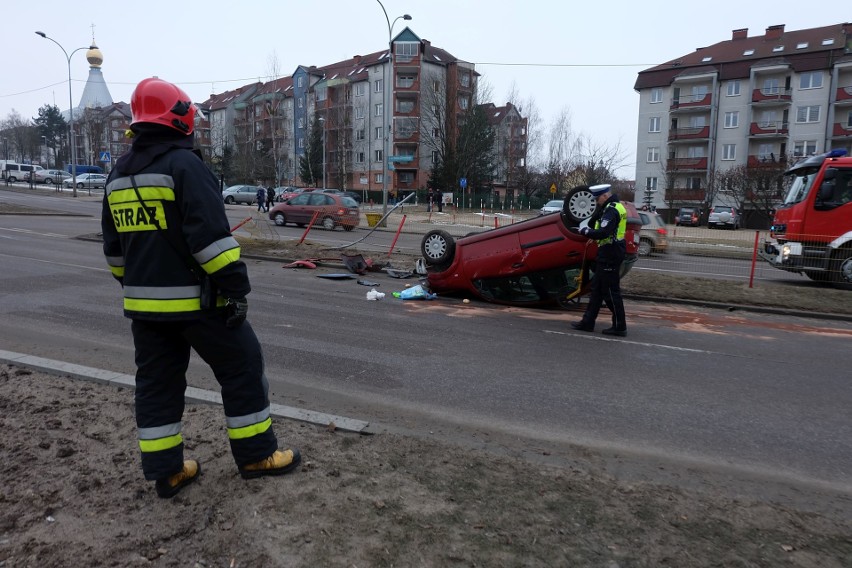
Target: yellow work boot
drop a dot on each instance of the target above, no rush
(171, 486)
(279, 463)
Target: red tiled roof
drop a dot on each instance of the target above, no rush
(728, 59)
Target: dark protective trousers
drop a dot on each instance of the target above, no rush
(162, 358)
(606, 288)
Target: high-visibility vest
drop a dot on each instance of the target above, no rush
(622, 225)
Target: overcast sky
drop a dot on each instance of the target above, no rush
(579, 56)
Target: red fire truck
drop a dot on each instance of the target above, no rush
(812, 230)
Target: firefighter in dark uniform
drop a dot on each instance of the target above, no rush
(167, 241)
(607, 227)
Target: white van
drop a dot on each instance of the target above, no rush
(14, 172)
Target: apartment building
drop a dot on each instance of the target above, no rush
(510, 146)
(747, 101)
(413, 96)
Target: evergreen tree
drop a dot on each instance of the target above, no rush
(310, 163)
(53, 126)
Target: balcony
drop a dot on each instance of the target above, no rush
(686, 164)
(772, 96)
(772, 129)
(690, 133)
(766, 162)
(691, 102)
(842, 130)
(685, 194)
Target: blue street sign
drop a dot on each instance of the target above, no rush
(104, 157)
(463, 183)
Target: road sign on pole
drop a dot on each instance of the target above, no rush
(104, 157)
(463, 183)
(552, 188)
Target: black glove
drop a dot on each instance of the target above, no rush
(584, 231)
(236, 310)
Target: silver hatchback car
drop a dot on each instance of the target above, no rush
(240, 194)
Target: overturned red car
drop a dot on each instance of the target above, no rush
(540, 261)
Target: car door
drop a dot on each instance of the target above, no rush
(297, 209)
(321, 205)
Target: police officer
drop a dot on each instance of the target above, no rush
(608, 226)
(167, 241)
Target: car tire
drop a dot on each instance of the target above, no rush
(841, 269)
(229, 200)
(48, 181)
(438, 248)
(579, 204)
(328, 223)
(280, 219)
(80, 186)
(645, 247)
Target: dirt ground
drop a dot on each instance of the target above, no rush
(73, 494)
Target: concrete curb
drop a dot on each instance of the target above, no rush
(193, 395)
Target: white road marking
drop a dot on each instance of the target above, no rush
(642, 343)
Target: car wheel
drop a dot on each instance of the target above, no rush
(328, 223)
(48, 181)
(279, 219)
(645, 247)
(229, 200)
(79, 186)
(841, 269)
(438, 247)
(579, 205)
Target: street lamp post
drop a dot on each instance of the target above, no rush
(385, 87)
(71, 139)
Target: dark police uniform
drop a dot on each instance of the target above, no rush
(163, 297)
(607, 227)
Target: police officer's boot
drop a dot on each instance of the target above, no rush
(171, 486)
(279, 463)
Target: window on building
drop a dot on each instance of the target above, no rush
(434, 156)
(404, 105)
(359, 112)
(656, 95)
(771, 86)
(765, 152)
(436, 86)
(650, 184)
(696, 152)
(301, 123)
(436, 133)
(378, 133)
(733, 88)
(405, 177)
(849, 119)
(360, 89)
(807, 113)
(379, 109)
(693, 183)
(378, 86)
(300, 82)
(405, 81)
(464, 102)
(812, 80)
(699, 92)
(359, 157)
(698, 121)
(805, 148)
(321, 93)
(359, 134)
(377, 156)
(729, 151)
(301, 143)
(379, 178)
(732, 119)
(406, 48)
(464, 79)
(654, 154)
(654, 124)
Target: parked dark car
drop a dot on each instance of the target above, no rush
(688, 217)
(543, 260)
(327, 209)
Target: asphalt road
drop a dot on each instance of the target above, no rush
(756, 393)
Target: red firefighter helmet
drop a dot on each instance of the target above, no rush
(159, 102)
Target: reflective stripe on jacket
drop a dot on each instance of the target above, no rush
(622, 224)
(186, 205)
